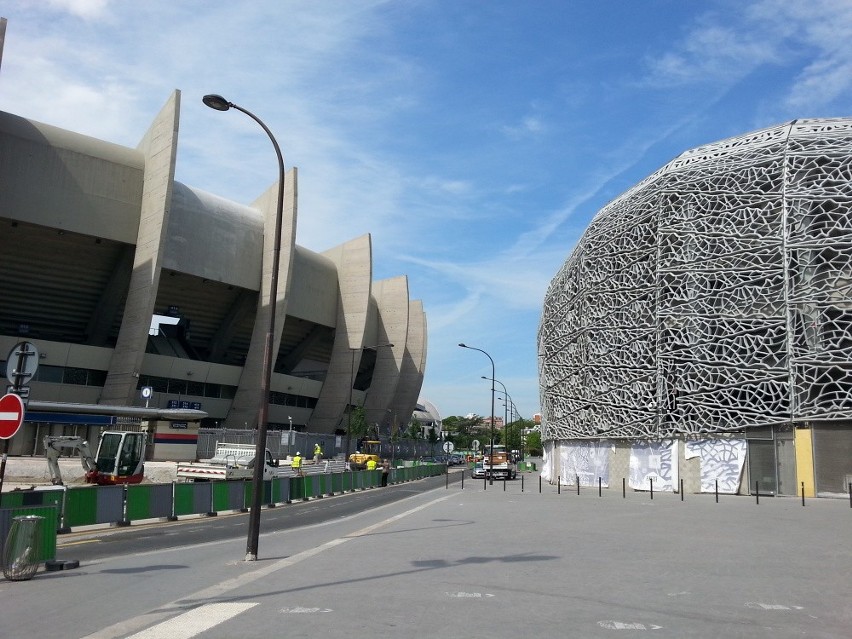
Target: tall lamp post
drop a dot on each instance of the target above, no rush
(221, 104)
(491, 477)
(508, 399)
(352, 351)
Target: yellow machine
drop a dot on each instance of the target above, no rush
(371, 449)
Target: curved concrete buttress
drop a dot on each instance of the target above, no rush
(391, 298)
(246, 404)
(159, 147)
(413, 365)
(354, 260)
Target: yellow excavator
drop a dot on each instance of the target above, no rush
(370, 449)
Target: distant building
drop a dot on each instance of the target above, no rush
(98, 240)
(706, 313)
(427, 417)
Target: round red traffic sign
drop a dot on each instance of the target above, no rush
(11, 415)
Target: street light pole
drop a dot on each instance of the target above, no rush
(221, 104)
(508, 399)
(493, 373)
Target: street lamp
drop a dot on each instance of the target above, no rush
(221, 104)
(505, 411)
(352, 352)
(492, 398)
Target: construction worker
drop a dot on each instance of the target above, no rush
(371, 464)
(317, 453)
(296, 464)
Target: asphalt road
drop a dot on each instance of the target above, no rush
(193, 531)
(472, 563)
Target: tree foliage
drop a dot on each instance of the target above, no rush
(463, 430)
(534, 447)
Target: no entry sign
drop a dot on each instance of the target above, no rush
(11, 415)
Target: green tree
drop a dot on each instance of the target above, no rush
(432, 439)
(358, 425)
(515, 433)
(463, 430)
(414, 430)
(534, 447)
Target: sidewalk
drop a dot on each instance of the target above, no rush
(491, 563)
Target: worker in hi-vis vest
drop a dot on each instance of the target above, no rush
(296, 464)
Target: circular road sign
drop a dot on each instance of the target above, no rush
(24, 354)
(449, 447)
(475, 444)
(147, 391)
(11, 415)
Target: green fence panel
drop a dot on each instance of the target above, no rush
(311, 485)
(185, 500)
(297, 488)
(232, 494)
(337, 482)
(139, 500)
(14, 499)
(81, 507)
(149, 501)
(47, 548)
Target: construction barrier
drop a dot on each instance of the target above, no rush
(47, 544)
(69, 507)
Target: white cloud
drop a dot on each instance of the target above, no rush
(86, 9)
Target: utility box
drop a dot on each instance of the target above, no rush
(172, 440)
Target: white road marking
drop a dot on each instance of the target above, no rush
(765, 606)
(298, 610)
(162, 613)
(193, 622)
(621, 625)
(469, 595)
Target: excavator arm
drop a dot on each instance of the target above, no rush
(53, 447)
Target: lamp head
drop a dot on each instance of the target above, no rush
(463, 345)
(216, 102)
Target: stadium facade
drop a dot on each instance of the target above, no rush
(97, 239)
(701, 329)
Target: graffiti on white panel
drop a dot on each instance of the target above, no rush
(653, 465)
(547, 462)
(586, 461)
(722, 461)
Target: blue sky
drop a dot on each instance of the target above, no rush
(474, 140)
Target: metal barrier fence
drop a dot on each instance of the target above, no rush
(282, 443)
(69, 507)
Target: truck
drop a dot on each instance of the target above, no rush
(120, 458)
(498, 463)
(230, 461)
(370, 449)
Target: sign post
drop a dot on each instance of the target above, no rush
(11, 415)
(11, 418)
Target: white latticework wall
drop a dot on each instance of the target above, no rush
(714, 296)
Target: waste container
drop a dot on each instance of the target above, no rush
(20, 554)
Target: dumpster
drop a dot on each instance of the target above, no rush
(21, 551)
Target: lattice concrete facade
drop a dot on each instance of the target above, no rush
(711, 298)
